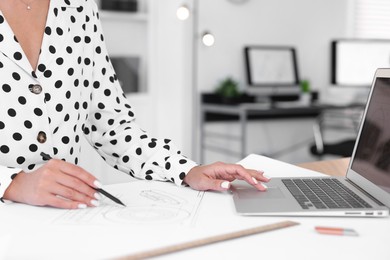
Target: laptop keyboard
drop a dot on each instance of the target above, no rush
(322, 193)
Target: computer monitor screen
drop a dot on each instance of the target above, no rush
(355, 61)
(271, 69)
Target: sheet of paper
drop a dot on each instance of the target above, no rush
(147, 203)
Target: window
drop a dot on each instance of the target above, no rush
(371, 19)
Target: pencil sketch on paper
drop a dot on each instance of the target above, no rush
(146, 203)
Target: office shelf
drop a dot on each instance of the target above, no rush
(124, 16)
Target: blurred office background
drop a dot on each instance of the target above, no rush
(169, 65)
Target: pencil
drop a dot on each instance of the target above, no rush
(105, 193)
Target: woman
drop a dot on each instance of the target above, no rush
(57, 85)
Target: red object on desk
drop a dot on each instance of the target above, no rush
(336, 231)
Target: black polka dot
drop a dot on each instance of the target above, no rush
(6, 88)
(41, 67)
(47, 73)
(59, 31)
(48, 30)
(38, 111)
(58, 84)
(4, 149)
(167, 165)
(27, 124)
(17, 136)
(20, 160)
(65, 140)
(183, 161)
(70, 71)
(33, 148)
(52, 49)
(22, 100)
(47, 97)
(16, 76)
(17, 56)
(182, 176)
(59, 107)
(60, 61)
(11, 112)
(138, 151)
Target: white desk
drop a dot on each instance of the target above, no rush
(36, 239)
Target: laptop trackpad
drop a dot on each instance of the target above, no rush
(252, 193)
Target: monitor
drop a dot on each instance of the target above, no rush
(354, 61)
(271, 70)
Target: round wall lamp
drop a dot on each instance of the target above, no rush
(208, 39)
(183, 12)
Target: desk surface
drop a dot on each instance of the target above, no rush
(216, 215)
(268, 110)
(336, 167)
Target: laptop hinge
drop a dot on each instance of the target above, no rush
(364, 192)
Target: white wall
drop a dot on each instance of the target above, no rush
(165, 110)
(309, 25)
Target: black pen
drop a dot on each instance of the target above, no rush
(105, 193)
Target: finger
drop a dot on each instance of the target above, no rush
(76, 184)
(215, 184)
(259, 175)
(77, 172)
(72, 195)
(242, 172)
(58, 202)
(248, 177)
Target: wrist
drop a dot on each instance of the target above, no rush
(12, 192)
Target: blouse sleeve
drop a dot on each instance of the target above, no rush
(112, 130)
(6, 176)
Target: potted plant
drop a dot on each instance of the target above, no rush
(305, 95)
(228, 91)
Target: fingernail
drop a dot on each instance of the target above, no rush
(254, 180)
(97, 184)
(225, 185)
(265, 186)
(82, 206)
(95, 203)
(97, 196)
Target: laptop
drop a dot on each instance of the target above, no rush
(364, 192)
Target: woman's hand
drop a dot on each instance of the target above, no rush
(217, 176)
(57, 184)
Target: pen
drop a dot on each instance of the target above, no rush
(336, 231)
(105, 193)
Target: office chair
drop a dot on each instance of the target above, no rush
(342, 119)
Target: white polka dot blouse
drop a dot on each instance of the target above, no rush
(73, 92)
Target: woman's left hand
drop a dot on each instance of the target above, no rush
(218, 176)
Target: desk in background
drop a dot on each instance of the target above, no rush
(257, 111)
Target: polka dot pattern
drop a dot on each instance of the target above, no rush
(73, 92)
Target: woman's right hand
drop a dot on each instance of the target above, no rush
(57, 184)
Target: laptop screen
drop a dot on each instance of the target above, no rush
(372, 155)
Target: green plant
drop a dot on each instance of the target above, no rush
(228, 88)
(305, 86)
